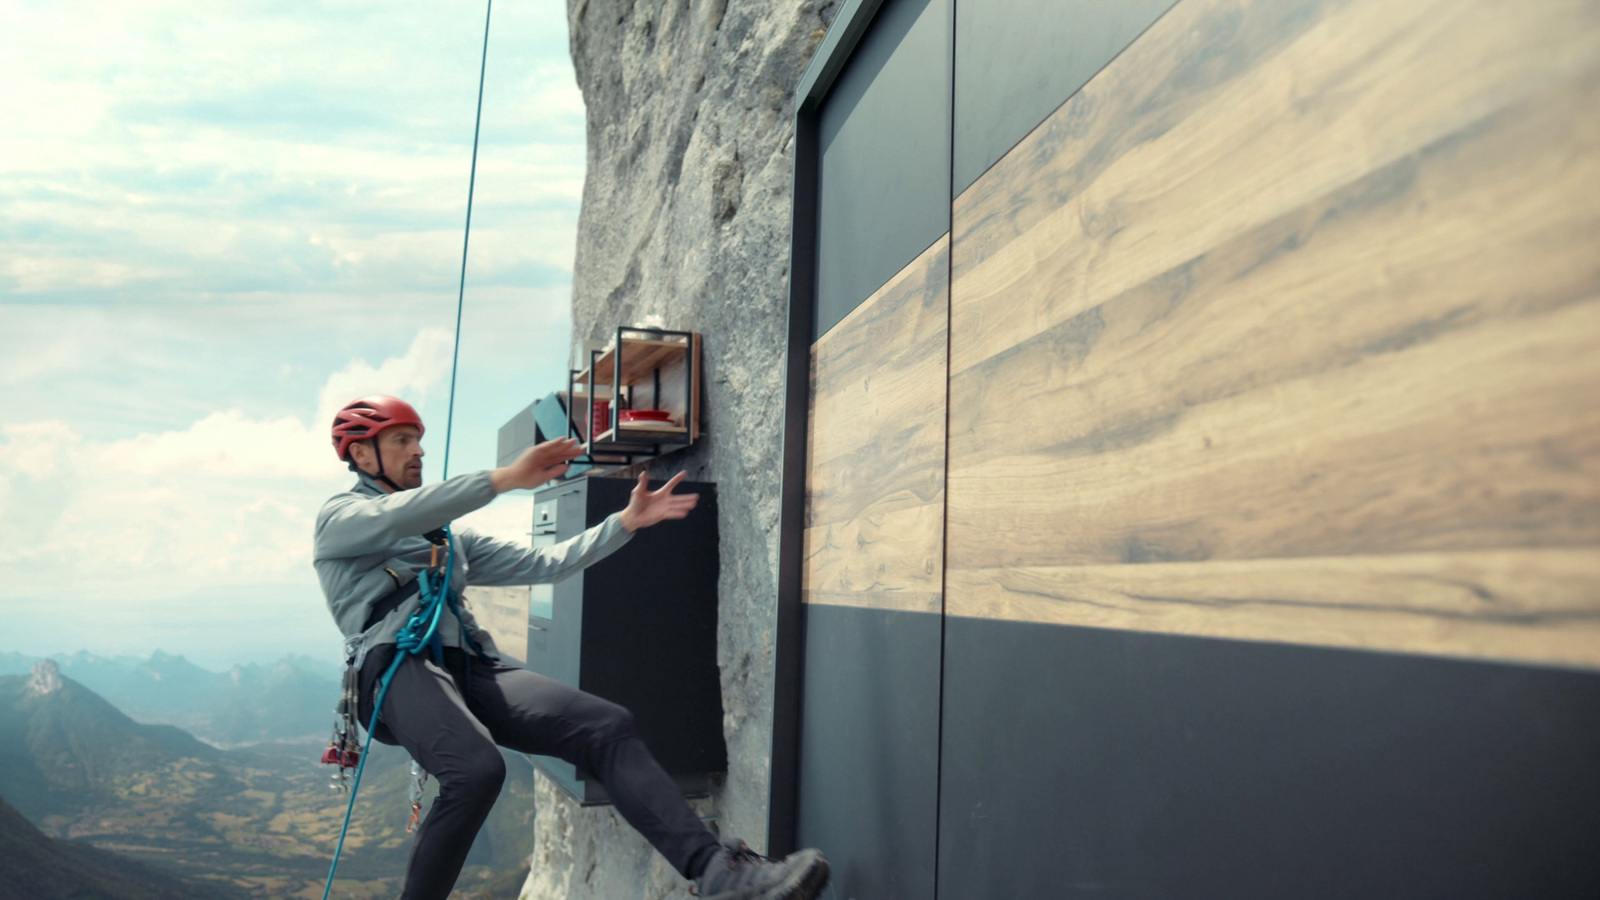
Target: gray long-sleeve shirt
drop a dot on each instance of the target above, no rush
(369, 542)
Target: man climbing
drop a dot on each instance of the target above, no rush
(450, 713)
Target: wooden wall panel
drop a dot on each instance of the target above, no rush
(1284, 328)
(875, 490)
(1532, 605)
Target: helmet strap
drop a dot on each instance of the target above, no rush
(380, 476)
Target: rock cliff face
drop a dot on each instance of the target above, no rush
(685, 224)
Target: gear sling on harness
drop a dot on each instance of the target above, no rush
(344, 748)
(421, 632)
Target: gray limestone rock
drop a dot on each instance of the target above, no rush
(685, 223)
(44, 679)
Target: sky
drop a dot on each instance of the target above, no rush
(219, 223)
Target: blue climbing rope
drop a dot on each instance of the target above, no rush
(422, 629)
(466, 236)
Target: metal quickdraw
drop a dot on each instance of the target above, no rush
(419, 784)
(344, 748)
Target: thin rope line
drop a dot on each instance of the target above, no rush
(466, 237)
(449, 426)
(944, 538)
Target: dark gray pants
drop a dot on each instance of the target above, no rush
(450, 717)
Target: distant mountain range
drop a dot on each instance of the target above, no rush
(63, 748)
(291, 700)
(257, 821)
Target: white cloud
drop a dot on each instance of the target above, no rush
(228, 500)
(46, 273)
(36, 450)
(227, 444)
(204, 211)
(255, 146)
(414, 375)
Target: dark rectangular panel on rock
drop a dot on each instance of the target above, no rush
(1082, 762)
(884, 171)
(869, 749)
(1283, 328)
(1017, 60)
(638, 628)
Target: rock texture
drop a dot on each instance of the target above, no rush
(44, 679)
(685, 223)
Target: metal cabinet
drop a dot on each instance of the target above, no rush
(638, 628)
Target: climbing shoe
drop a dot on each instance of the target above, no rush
(736, 872)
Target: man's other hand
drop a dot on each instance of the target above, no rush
(647, 507)
(536, 465)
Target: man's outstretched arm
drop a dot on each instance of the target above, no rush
(496, 562)
(352, 526)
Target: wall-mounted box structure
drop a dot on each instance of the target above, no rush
(655, 373)
(638, 628)
(643, 371)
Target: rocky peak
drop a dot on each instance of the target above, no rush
(44, 679)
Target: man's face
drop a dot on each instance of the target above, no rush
(401, 448)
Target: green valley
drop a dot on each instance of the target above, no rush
(260, 820)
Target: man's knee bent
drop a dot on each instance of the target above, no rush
(479, 775)
(601, 721)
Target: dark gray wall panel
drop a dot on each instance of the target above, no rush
(885, 156)
(869, 741)
(1085, 762)
(1017, 60)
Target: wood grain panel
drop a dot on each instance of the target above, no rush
(1514, 605)
(883, 365)
(884, 560)
(875, 487)
(1225, 114)
(1476, 439)
(1285, 283)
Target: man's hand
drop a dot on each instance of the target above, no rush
(536, 465)
(647, 507)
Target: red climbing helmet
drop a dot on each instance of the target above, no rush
(364, 418)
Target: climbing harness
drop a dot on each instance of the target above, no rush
(421, 632)
(422, 628)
